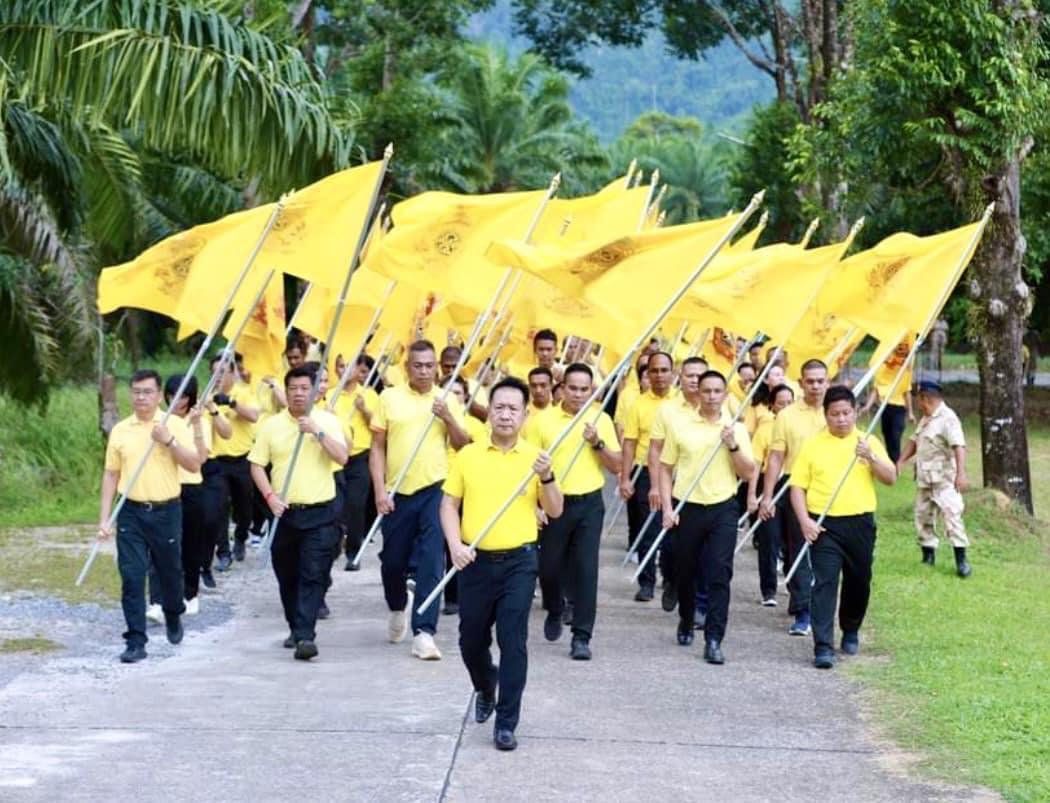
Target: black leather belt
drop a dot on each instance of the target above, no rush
(311, 506)
(499, 555)
(148, 506)
(579, 497)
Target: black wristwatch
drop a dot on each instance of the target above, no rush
(735, 448)
(598, 445)
(547, 481)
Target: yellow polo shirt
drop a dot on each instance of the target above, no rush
(194, 477)
(755, 415)
(240, 440)
(639, 420)
(394, 376)
(587, 473)
(265, 401)
(819, 468)
(687, 445)
(346, 409)
(884, 381)
(735, 390)
(402, 413)
(760, 441)
(128, 442)
(484, 476)
(312, 481)
(794, 425)
(628, 396)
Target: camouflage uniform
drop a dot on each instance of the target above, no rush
(935, 439)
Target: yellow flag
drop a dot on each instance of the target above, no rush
(262, 340)
(898, 284)
(610, 213)
(439, 240)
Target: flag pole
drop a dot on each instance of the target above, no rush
(920, 337)
(370, 331)
(756, 201)
(355, 262)
(630, 174)
(709, 460)
(487, 364)
(181, 391)
(810, 231)
(400, 478)
(654, 179)
(375, 363)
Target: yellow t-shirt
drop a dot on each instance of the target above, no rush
(243, 430)
(760, 441)
(639, 421)
(128, 442)
(195, 477)
(819, 468)
(402, 413)
(587, 473)
(794, 425)
(265, 401)
(484, 476)
(628, 396)
(346, 409)
(884, 381)
(312, 480)
(394, 376)
(755, 415)
(687, 445)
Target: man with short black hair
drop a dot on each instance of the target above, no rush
(541, 384)
(845, 541)
(497, 579)
(149, 525)
(545, 348)
(307, 530)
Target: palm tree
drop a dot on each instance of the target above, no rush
(507, 124)
(132, 120)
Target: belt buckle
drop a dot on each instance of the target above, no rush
(148, 506)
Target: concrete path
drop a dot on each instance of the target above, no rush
(230, 716)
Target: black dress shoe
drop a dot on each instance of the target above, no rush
(685, 637)
(173, 626)
(450, 609)
(851, 642)
(713, 652)
(133, 654)
(504, 739)
(825, 659)
(305, 650)
(238, 551)
(322, 611)
(552, 627)
(645, 594)
(567, 611)
(207, 578)
(223, 563)
(962, 567)
(484, 705)
(351, 566)
(580, 650)
(669, 597)
(929, 555)
(289, 643)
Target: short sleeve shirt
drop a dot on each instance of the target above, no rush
(687, 446)
(129, 440)
(312, 481)
(638, 422)
(242, 430)
(935, 438)
(794, 425)
(820, 465)
(587, 473)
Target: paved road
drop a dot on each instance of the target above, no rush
(230, 716)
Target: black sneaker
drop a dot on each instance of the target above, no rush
(713, 652)
(504, 739)
(289, 643)
(851, 642)
(825, 659)
(580, 650)
(305, 650)
(133, 654)
(669, 597)
(351, 566)
(644, 594)
(207, 578)
(173, 626)
(323, 612)
(238, 551)
(552, 627)
(223, 563)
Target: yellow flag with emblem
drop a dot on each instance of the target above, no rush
(608, 213)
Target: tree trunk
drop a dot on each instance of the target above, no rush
(1001, 297)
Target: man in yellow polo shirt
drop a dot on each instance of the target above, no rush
(411, 529)
(227, 482)
(569, 545)
(498, 578)
(149, 525)
(706, 527)
(641, 495)
(793, 427)
(356, 405)
(307, 530)
(845, 541)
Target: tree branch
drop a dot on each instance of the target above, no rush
(757, 60)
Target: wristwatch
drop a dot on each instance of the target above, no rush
(547, 481)
(598, 445)
(735, 448)
(320, 436)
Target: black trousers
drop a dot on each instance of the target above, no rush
(359, 502)
(637, 512)
(148, 535)
(894, 420)
(570, 543)
(302, 552)
(496, 589)
(261, 513)
(770, 538)
(194, 538)
(846, 546)
(228, 488)
(801, 585)
(706, 533)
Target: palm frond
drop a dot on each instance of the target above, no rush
(25, 329)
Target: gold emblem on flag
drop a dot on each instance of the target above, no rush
(447, 243)
(171, 274)
(882, 273)
(289, 229)
(601, 260)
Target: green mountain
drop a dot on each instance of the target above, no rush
(719, 90)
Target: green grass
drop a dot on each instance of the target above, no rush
(962, 669)
(35, 645)
(47, 560)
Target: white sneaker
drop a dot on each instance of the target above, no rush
(397, 627)
(255, 540)
(769, 602)
(193, 606)
(155, 614)
(424, 648)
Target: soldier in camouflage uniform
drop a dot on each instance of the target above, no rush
(939, 448)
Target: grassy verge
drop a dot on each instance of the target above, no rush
(35, 645)
(965, 672)
(48, 559)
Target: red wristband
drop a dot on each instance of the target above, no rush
(267, 497)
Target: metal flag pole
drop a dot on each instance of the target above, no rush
(642, 338)
(630, 174)
(621, 503)
(810, 231)
(355, 262)
(654, 179)
(136, 473)
(370, 331)
(400, 478)
(921, 336)
(617, 376)
(181, 391)
(487, 365)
